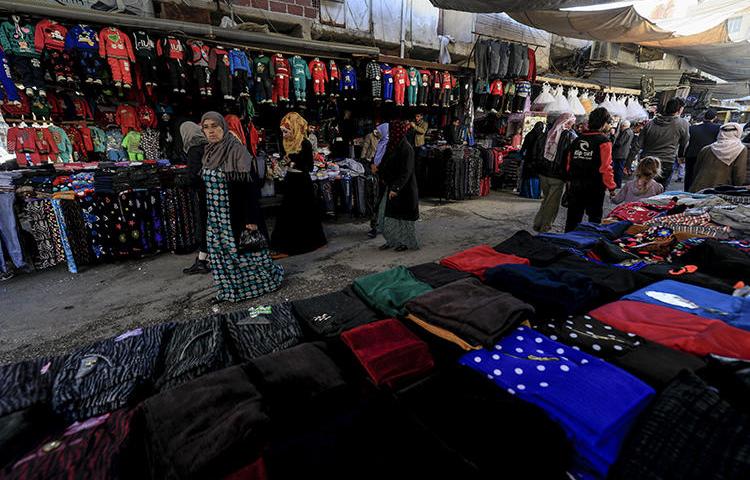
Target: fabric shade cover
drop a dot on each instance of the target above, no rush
(492, 6)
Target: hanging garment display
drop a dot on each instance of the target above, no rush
(117, 48)
(7, 86)
(172, 52)
(349, 83)
(145, 54)
(401, 82)
(334, 79)
(423, 95)
(300, 75)
(387, 73)
(374, 75)
(49, 40)
(560, 105)
(220, 64)
(575, 104)
(448, 83)
(280, 72)
(543, 99)
(263, 79)
(198, 58)
(17, 40)
(242, 73)
(83, 43)
(412, 89)
(319, 74)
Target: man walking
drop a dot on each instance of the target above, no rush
(666, 138)
(701, 135)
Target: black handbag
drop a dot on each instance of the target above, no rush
(251, 241)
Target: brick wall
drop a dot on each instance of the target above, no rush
(299, 8)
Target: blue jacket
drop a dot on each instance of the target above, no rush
(701, 136)
(82, 37)
(238, 61)
(348, 78)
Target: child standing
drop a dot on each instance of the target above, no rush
(643, 185)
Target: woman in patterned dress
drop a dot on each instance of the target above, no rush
(232, 204)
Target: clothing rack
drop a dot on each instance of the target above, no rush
(392, 59)
(505, 39)
(590, 86)
(266, 50)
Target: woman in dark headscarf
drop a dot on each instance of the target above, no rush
(298, 226)
(232, 207)
(401, 195)
(193, 145)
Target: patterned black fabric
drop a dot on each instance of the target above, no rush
(26, 383)
(41, 219)
(195, 348)
(110, 374)
(689, 433)
(261, 330)
(328, 315)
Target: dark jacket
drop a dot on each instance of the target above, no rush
(590, 163)
(621, 148)
(701, 136)
(398, 173)
(194, 162)
(557, 168)
(453, 135)
(665, 138)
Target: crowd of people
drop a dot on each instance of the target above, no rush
(576, 169)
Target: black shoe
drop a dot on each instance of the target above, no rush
(384, 247)
(27, 268)
(402, 248)
(6, 276)
(372, 233)
(199, 267)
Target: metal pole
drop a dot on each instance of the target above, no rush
(403, 29)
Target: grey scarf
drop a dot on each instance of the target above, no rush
(228, 154)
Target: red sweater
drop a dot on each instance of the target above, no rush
(49, 34)
(114, 43)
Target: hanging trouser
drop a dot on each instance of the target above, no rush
(149, 73)
(58, 65)
(423, 95)
(240, 86)
(202, 77)
(280, 88)
(91, 65)
(388, 88)
(300, 88)
(28, 71)
(263, 89)
(411, 94)
(120, 70)
(177, 77)
(224, 76)
(9, 232)
(11, 93)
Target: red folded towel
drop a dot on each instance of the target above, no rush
(477, 260)
(676, 329)
(388, 351)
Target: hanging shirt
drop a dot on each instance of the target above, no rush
(49, 35)
(144, 45)
(18, 39)
(114, 43)
(82, 37)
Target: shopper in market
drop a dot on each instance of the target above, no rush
(621, 150)
(590, 170)
(666, 138)
(701, 135)
(397, 171)
(419, 128)
(551, 167)
(644, 185)
(375, 198)
(453, 132)
(233, 209)
(298, 226)
(193, 145)
(724, 162)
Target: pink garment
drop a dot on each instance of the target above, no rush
(629, 192)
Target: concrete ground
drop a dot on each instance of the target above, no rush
(53, 311)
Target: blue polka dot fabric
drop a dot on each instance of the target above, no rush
(595, 402)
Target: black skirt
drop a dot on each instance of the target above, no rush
(298, 227)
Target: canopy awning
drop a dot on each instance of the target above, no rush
(496, 6)
(728, 61)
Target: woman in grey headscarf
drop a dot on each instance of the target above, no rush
(724, 162)
(232, 207)
(193, 145)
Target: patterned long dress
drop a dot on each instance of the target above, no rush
(237, 277)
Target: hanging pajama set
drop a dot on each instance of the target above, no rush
(424, 87)
(49, 40)
(280, 72)
(83, 42)
(387, 82)
(198, 58)
(172, 51)
(413, 88)
(373, 74)
(263, 82)
(242, 72)
(127, 118)
(349, 83)
(6, 79)
(401, 81)
(64, 147)
(319, 74)
(145, 53)
(436, 88)
(218, 61)
(334, 80)
(116, 47)
(496, 92)
(447, 83)
(300, 74)
(18, 43)
(132, 144)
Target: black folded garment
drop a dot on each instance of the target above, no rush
(655, 364)
(436, 275)
(295, 376)
(195, 348)
(452, 404)
(688, 433)
(474, 312)
(718, 260)
(22, 430)
(539, 251)
(608, 252)
(27, 383)
(677, 273)
(258, 331)
(206, 428)
(109, 375)
(613, 282)
(329, 315)
(732, 377)
(554, 291)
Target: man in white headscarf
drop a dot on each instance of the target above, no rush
(724, 162)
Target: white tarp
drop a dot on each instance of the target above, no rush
(496, 6)
(134, 7)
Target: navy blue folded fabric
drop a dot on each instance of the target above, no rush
(554, 291)
(594, 402)
(610, 231)
(574, 239)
